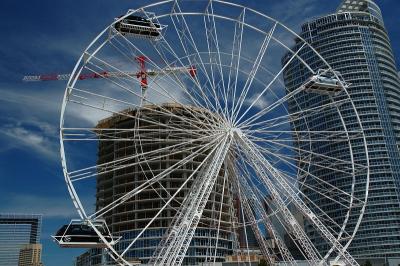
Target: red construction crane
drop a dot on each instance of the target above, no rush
(142, 74)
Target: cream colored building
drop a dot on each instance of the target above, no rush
(30, 255)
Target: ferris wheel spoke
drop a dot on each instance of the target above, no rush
(122, 84)
(311, 253)
(237, 120)
(282, 137)
(124, 76)
(340, 229)
(163, 92)
(213, 77)
(235, 60)
(220, 210)
(288, 190)
(243, 217)
(177, 81)
(139, 159)
(255, 198)
(144, 158)
(116, 134)
(195, 94)
(184, 34)
(198, 97)
(290, 222)
(122, 114)
(330, 188)
(276, 121)
(213, 48)
(175, 242)
(324, 188)
(253, 72)
(197, 124)
(254, 201)
(341, 164)
(277, 138)
(151, 181)
(101, 67)
(322, 215)
(196, 171)
(324, 161)
(175, 77)
(248, 212)
(325, 217)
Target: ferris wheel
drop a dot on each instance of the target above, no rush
(194, 131)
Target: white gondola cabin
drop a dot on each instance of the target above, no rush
(325, 82)
(78, 234)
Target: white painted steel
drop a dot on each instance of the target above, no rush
(234, 117)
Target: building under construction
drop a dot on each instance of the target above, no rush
(156, 133)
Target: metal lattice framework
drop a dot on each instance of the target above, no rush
(234, 122)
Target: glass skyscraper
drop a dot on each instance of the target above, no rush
(354, 42)
(16, 231)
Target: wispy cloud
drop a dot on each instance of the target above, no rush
(261, 103)
(37, 140)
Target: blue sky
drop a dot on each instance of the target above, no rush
(48, 37)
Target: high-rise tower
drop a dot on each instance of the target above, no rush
(128, 219)
(354, 42)
(16, 231)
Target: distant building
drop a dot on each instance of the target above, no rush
(84, 259)
(289, 236)
(253, 257)
(16, 231)
(30, 255)
(354, 42)
(247, 238)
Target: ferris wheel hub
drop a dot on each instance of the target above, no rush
(236, 132)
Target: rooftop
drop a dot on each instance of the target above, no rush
(367, 6)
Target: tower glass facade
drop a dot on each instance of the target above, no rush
(355, 43)
(16, 231)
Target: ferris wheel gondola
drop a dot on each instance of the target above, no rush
(138, 26)
(78, 234)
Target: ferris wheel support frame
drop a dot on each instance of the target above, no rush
(186, 222)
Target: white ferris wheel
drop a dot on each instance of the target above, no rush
(188, 122)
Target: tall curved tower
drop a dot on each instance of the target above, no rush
(128, 219)
(354, 42)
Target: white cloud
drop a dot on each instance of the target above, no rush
(37, 140)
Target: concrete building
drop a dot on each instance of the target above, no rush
(128, 219)
(30, 255)
(354, 42)
(16, 231)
